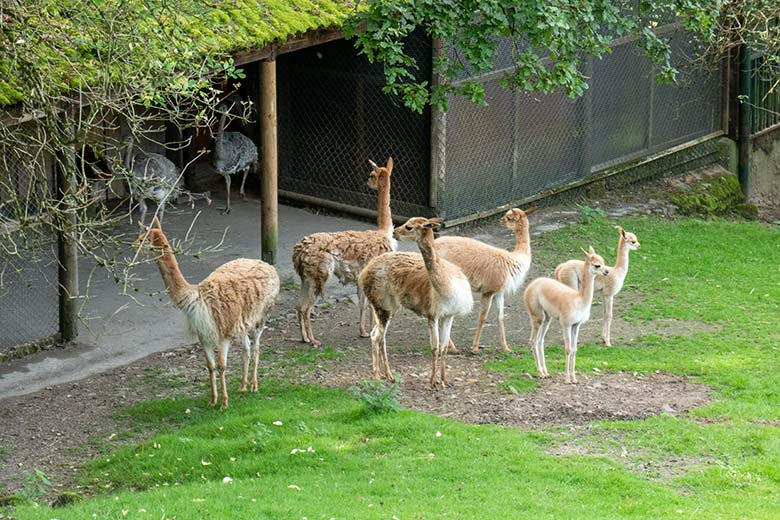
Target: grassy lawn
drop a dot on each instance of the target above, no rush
(294, 452)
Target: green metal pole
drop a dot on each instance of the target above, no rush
(745, 115)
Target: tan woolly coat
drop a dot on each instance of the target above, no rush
(343, 254)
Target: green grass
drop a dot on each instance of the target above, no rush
(722, 461)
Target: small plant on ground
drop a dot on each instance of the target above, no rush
(592, 215)
(378, 397)
(36, 484)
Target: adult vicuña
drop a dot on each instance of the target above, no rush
(493, 272)
(424, 283)
(610, 285)
(345, 253)
(547, 299)
(232, 302)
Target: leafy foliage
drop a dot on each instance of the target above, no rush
(549, 41)
(378, 397)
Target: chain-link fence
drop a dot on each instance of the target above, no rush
(520, 145)
(29, 309)
(333, 117)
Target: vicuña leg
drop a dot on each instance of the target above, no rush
(446, 328)
(433, 333)
(256, 354)
(548, 321)
(211, 364)
(501, 330)
(245, 364)
(365, 313)
(378, 338)
(574, 340)
(385, 362)
(305, 306)
(487, 300)
(570, 348)
(222, 366)
(608, 300)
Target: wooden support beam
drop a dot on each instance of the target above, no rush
(67, 253)
(269, 202)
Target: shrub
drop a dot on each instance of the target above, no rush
(377, 397)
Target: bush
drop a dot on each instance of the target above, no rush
(377, 397)
(715, 197)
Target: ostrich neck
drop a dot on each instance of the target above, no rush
(384, 220)
(177, 285)
(522, 240)
(586, 289)
(622, 256)
(432, 264)
(129, 154)
(220, 139)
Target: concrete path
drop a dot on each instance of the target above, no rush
(120, 330)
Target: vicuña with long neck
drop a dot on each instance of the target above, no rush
(423, 283)
(232, 303)
(343, 254)
(492, 272)
(547, 299)
(610, 285)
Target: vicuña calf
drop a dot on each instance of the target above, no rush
(492, 272)
(424, 283)
(610, 285)
(316, 257)
(232, 302)
(547, 299)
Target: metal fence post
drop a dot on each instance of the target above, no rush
(67, 254)
(745, 115)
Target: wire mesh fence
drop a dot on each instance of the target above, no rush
(28, 257)
(334, 117)
(765, 94)
(522, 144)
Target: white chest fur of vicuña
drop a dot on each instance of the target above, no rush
(200, 321)
(517, 273)
(459, 300)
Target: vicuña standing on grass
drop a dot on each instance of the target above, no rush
(345, 253)
(424, 283)
(493, 272)
(547, 299)
(232, 303)
(610, 285)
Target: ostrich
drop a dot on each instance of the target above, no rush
(233, 152)
(152, 176)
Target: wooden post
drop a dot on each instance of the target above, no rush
(67, 253)
(269, 231)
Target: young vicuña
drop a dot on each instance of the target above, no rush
(424, 283)
(493, 272)
(547, 299)
(610, 285)
(344, 254)
(232, 303)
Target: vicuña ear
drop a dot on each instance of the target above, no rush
(585, 253)
(389, 164)
(156, 223)
(531, 210)
(622, 231)
(591, 250)
(434, 223)
(373, 165)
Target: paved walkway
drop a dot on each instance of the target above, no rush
(121, 330)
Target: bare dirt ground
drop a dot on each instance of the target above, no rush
(58, 428)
